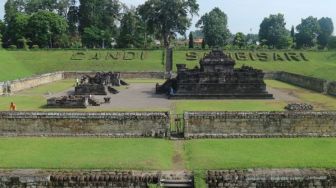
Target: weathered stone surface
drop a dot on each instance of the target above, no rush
(307, 82)
(68, 102)
(215, 79)
(331, 88)
(26, 83)
(118, 124)
(299, 107)
(265, 178)
(49, 179)
(259, 124)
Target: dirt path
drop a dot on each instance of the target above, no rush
(178, 158)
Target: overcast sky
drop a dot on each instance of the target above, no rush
(246, 15)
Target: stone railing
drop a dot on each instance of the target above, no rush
(314, 178)
(119, 124)
(259, 124)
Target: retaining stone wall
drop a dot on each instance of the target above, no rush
(331, 88)
(271, 178)
(259, 124)
(26, 83)
(45, 179)
(307, 82)
(121, 124)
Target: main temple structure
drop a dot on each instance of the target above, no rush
(216, 78)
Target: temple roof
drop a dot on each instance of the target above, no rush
(217, 56)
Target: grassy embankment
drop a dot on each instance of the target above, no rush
(18, 64)
(148, 154)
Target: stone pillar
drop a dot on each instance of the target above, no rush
(169, 63)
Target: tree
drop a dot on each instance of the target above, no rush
(33, 6)
(168, 17)
(252, 38)
(273, 32)
(99, 15)
(46, 28)
(72, 18)
(326, 30)
(332, 42)
(214, 27)
(191, 40)
(12, 7)
(16, 28)
(132, 31)
(239, 40)
(203, 44)
(2, 31)
(293, 33)
(308, 31)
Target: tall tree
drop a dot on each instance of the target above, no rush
(239, 40)
(33, 6)
(72, 17)
(332, 42)
(308, 31)
(214, 27)
(12, 7)
(273, 32)
(101, 15)
(132, 31)
(2, 31)
(293, 33)
(191, 40)
(168, 17)
(252, 38)
(16, 28)
(326, 30)
(46, 28)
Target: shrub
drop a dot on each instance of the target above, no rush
(35, 47)
(12, 47)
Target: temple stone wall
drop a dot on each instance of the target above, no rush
(307, 82)
(121, 124)
(123, 75)
(266, 178)
(67, 179)
(259, 124)
(26, 83)
(331, 88)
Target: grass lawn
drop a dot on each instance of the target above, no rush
(319, 101)
(261, 153)
(34, 99)
(19, 64)
(85, 153)
(158, 154)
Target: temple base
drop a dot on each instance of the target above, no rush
(222, 96)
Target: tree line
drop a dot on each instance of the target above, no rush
(110, 23)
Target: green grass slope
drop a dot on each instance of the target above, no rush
(85, 153)
(18, 64)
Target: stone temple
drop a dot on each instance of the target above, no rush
(216, 78)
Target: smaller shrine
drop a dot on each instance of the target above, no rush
(100, 84)
(216, 78)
